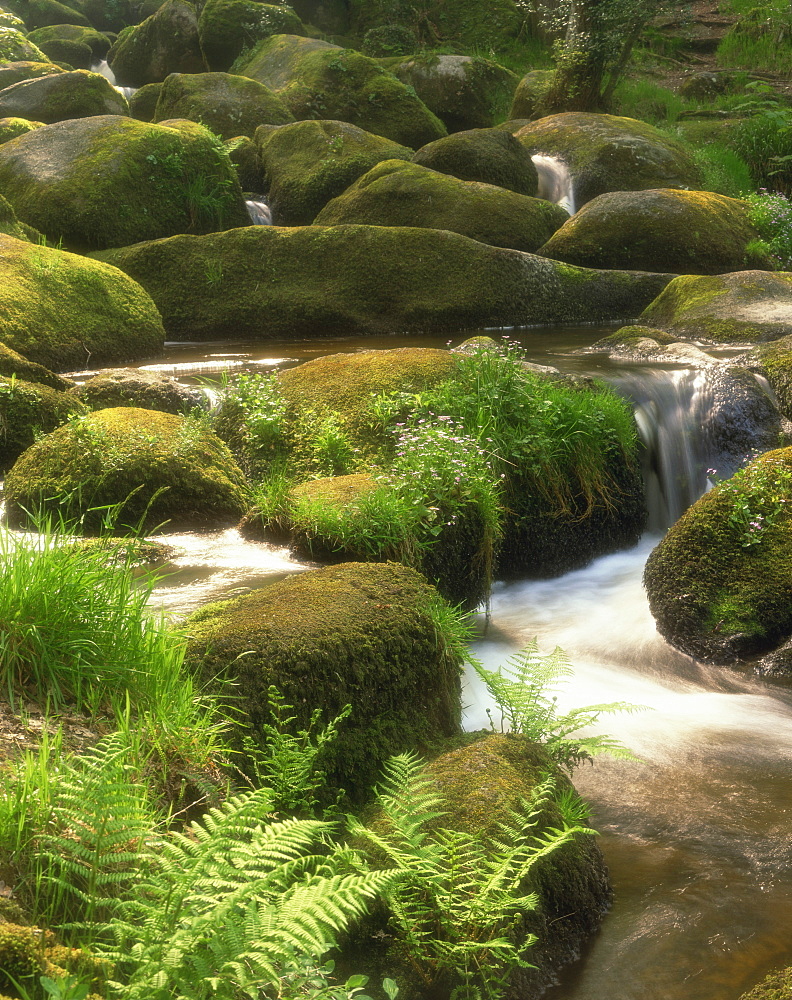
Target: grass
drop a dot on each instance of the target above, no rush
(761, 40)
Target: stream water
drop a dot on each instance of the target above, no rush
(696, 833)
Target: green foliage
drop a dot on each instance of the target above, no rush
(763, 138)
(762, 38)
(758, 496)
(723, 170)
(522, 689)
(456, 908)
(288, 763)
(771, 213)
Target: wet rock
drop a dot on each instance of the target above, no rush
(488, 155)
(608, 153)
(62, 96)
(109, 181)
(166, 42)
(686, 232)
(395, 193)
(136, 387)
(529, 90)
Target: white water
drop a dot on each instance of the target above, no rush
(555, 181)
(259, 212)
(104, 70)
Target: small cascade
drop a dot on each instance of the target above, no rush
(555, 181)
(103, 69)
(259, 212)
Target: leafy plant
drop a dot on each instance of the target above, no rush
(457, 907)
(522, 689)
(758, 496)
(771, 213)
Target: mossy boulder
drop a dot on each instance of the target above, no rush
(325, 81)
(395, 193)
(244, 156)
(140, 388)
(609, 153)
(643, 343)
(485, 782)
(143, 102)
(227, 27)
(744, 306)
(774, 362)
(109, 181)
(471, 23)
(360, 634)
(97, 42)
(27, 410)
(15, 47)
(27, 953)
(62, 96)
(10, 20)
(39, 13)
(68, 52)
(776, 986)
(14, 365)
(720, 582)
(342, 280)
(228, 105)
(491, 156)
(529, 91)
(388, 41)
(464, 92)
(112, 15)
(13, 72)
(10, 224)
(60, 310)
(308, 163)
(158, 468)
(166, 42)
(685, 232)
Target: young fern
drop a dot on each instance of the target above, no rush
(521, 689)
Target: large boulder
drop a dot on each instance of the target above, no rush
(463, 91)
(308, 163)
(362, 634)
(608, 153)
(472, 23)
(774, 361)
(228, 105)
(11, 226)
(325, 81)
(686, 232)
(720, 582)
(62, 96)
(395, 193)
(14, 365)
(13, 72)
(328, 281)
(229, 27)
(166, 42)
(109, 181)
(97, 43)
(154, 468)
(38, 13)
(27, 410)
(488, 155)
(745, 306)
(61, 310)
(140, 388)
(15, 47)
(530, 90)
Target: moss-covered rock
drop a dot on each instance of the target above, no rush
(108, 181)
(166, 42)
(266, 282)
(112, 15)
(14, 365)
(228, 105)
(13, 72)
(61, 96)
(143, 102)
(464, 92)
(388, 41)
(643, 343)
(310, 162)
(28, 953)
(10, 224)
(776, 986)
(328, 16)
(228, 27)
(61, 310)
(360, 634)
(137, 387)
(68, 52)
(14, 47)
(159, 468)
(325, 81)
(97, 42)
(472, 23)
(39, 13)
(10, 20)
(27, 410)
(608, 153)
(529, 90)
(685, 232)
(488, 155)
(720, 582)
(244, 156)
(395, 193)
(774, 361)
(743, 306)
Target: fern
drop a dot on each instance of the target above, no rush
(521, 689)
(458, 902)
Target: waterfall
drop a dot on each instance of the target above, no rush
(259, 212)
(555, 181)
(103, 69)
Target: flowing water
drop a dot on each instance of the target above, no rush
(697, 832)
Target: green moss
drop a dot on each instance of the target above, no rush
(308, 163)
(156, 466)
(228, 27)
(489, 155)
(166, 42)
(25, 70)
(143, 103)
(9, 223)
(26, 410)
(395, 193)
(472, 23)
(776, 986)
(629, 336)
(27, 953)
(685, 232)
(14, 47)
(715, 593)
(38, 13)
(360, 633)
(136, 387)
(112, 181)
(76, 94)
(13, 364)
(775, 362)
